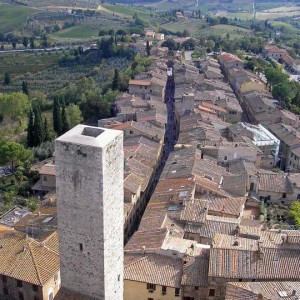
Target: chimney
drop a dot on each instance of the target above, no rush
(144, 250)
(260, 297)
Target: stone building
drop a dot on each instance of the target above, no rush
(89, 178)
(29, 267)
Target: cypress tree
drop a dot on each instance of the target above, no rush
(38, 126)
(25, 87)
(116, 81)
(65, 120)
(57, 120)
(30, 130)
(148, 48)
(6, 79)
(46, 131)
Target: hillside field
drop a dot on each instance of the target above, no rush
(13, 17)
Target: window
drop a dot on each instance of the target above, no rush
(212, 292)
(55, 277)
(177, 292)
(163, 290)
(225, 158)
(81, 247)
(21, 296)
(240, 279)
(284, 195)
(19, 283)
(151, 286)
(4, 279)
(131, 132)
(196, 288)
(35, 288)
(298, 197)
(150, 299)
(51, 297)
(36, 298)
(45, 178)
(5, 291)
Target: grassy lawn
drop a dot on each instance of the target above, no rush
(222, 30)
(278, 12)
(13, 17)
(22, 63)
(128, 11)
(192, 25)
(76, 32)
(285, 26)
(241, 16)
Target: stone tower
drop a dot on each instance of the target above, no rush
(89, 178)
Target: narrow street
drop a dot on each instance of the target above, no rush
(171, 137)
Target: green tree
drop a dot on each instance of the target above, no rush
(148, 48)
(25, 87)
(189, 44)
(116, 81)
(57, 120)
(295, 213)
(275, 75)
(19, 176)
(171, 44)
(283, 92)
(74, 115)
(14, 153)
(38, 126)
(32, 204)
(6, 79)
(46, 131)
(30, 130)
(296, 99)
(65, 120)
(15, 106)
(31, 43)
(25, 41)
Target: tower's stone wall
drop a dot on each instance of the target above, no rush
(89, 172)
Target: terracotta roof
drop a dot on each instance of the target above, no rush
(229, 57)
(140, 82)
(294, 179)
(272, 48)
(278, 183)
(48, 169)
(230, 206)
(274, 290)
(26, 259)
(268, 263)
(156, 269)
(66, 294)
(195, 269)
(133, 183)
(195, 211)
(211, 227)
(214, 107)
(150, 240)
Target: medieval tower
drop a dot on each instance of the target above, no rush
(89, 178)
